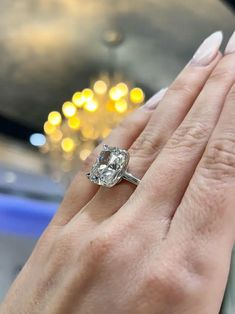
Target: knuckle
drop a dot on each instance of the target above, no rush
(180, 88)
(147, 144)
(171, 280)
(188, 135)
(219, 158)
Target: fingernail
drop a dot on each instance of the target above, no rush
(230, 48)
(208, 49)
(152, 103)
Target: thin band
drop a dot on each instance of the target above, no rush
(129, 177)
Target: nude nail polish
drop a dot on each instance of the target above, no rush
(208, 49)
(230, 48)
(152, 103)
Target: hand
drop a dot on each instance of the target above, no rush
(165, 246)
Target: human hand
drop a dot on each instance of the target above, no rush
(165, 246)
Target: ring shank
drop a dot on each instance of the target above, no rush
(130, 178)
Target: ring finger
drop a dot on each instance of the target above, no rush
(167, 117)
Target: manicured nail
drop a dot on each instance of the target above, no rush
(208, 49)
(230, 48)
(152, 103)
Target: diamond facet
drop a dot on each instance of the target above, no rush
(109, 166)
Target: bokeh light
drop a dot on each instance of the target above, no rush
(78, 99)
(137, 95)
(68, 144)
(88, 94)
(74, 123)
(123, 88)
(54, 118)
(84, 153)
(115, 93)
(91, 106)
(56, 136)
(37, 139)
(121, 105)
(100, 87)
(48, 128)
(69, 109)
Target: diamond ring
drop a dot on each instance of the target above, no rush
(111, 167)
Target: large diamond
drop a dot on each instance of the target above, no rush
(109, 166)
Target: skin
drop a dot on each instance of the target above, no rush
(163, 247)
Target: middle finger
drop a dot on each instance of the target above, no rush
(169, 114)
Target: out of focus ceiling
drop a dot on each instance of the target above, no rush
(51, 48)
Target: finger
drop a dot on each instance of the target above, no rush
(81, 189)
(166, 118)
(164, 184)
(211, 210)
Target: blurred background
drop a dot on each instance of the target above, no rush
(70, 70)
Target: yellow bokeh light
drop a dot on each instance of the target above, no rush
(106, 132)
(69, 109)
(121, 105)
(88, 132)
(115, 93)
(78, 99)
(56, 136)
(122, 87)
(100, 87)
(74, 123)
(54, 118)
(67, 144)
(48, 128)
(84, 153)
(88, 94)
(137, 95)
(91, 106)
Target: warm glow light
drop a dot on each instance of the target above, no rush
(48, 128)
(54, 118)
(85, 120)
(88, 94)
(88, 132)
(115, 93)
(56, 136)
(122, 87)
(74, 123)
(84, 153)
(100, 87)
(121, 105)
(78, 99)
(106, 132)
(67, 144)
(69, 109)
(137, 95)
(91, 106)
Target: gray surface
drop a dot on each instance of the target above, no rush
(51, 48)
(14, 251)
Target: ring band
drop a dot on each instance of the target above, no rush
(111, 167)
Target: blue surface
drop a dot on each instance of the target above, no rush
(23, 216)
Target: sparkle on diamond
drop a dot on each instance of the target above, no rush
(109, 166)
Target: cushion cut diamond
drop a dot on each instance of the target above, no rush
(109, 166)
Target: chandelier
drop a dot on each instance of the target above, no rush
(85, 120)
